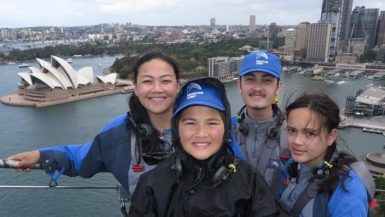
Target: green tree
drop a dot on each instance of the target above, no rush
(125, 72)
(380, 197)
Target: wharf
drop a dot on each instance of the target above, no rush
(375, 124)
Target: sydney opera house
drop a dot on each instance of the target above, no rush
(58, 82)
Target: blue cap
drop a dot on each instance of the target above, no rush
(261, 61)
(198, 93)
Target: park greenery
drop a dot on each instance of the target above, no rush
(379, 211)
(192, 58)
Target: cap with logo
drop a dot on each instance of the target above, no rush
(198, 92)
(261, 61)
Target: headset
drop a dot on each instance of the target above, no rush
(272, 131)
(221, 175)
(147, 135)
(319, 174)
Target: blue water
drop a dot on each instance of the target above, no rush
(26, 128)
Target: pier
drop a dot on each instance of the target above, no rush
(374, 124)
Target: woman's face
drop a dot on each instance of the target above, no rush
(201, 131)
(307, 139)
(156, 86)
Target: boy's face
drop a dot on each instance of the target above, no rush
(258, 89)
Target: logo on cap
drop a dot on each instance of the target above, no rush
(193, 90)
(261, 58)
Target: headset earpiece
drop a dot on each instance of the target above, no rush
(177, 167)
(223, 173)
(145, 130)
(323, 172)
(292, 170)
(272, 131)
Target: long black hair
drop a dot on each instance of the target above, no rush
(328, 113)
(138, 112)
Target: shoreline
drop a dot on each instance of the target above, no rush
(40, 99)
(375, 124)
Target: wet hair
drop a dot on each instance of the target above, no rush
(138, 111)
(328, 114)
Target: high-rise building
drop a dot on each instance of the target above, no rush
(212, 24)
(252, 23)
(290, 38)
(364, 25)
(337, 13)
(301, 40)
(319, 42)
(223, 67)
(381, 30)
(274, 29)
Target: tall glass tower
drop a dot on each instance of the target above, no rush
(337, 13)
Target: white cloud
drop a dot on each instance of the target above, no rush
(22, 13)
(136, 5)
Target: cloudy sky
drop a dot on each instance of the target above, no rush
(25, 13)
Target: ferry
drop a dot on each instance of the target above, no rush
(24, 65)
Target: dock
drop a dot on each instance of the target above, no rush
(374, 124)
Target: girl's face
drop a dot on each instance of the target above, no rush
(156, 86)
(201, 131)
(307, 139)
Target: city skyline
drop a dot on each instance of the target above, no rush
(22, 13)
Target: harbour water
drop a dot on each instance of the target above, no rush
(27, 128)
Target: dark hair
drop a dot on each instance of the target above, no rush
(328, 113)
(155, 55)
(138, 112)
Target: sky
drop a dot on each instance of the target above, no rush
(28, 13)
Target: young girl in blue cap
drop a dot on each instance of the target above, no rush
(202, 177)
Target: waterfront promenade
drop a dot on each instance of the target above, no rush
(375, 124)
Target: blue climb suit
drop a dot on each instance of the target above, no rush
(261, 151)
(353, 203)
(112, 150)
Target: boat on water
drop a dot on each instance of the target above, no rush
(69, 60)
(24, 65)
(342, 82)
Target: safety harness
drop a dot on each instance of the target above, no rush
(321, 199)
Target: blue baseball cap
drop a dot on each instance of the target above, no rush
(261, 61)
(198, 92)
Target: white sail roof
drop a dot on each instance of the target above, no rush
(26, 76)
(85, 75)
(60, 76)
(67, 68)
(110, 78)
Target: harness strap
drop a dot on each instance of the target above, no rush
(320, 207)
(308, 194)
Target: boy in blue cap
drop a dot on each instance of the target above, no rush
(258, 125)
(203, 177)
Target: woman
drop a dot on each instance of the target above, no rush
(203, 178)
(322, 182)
(130, 144)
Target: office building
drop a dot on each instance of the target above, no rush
(252, 23)
(337, 13)
(364, 25)
(212, 24)
(318, 47)
(381, 30)
(302, 38)
(290, 38)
